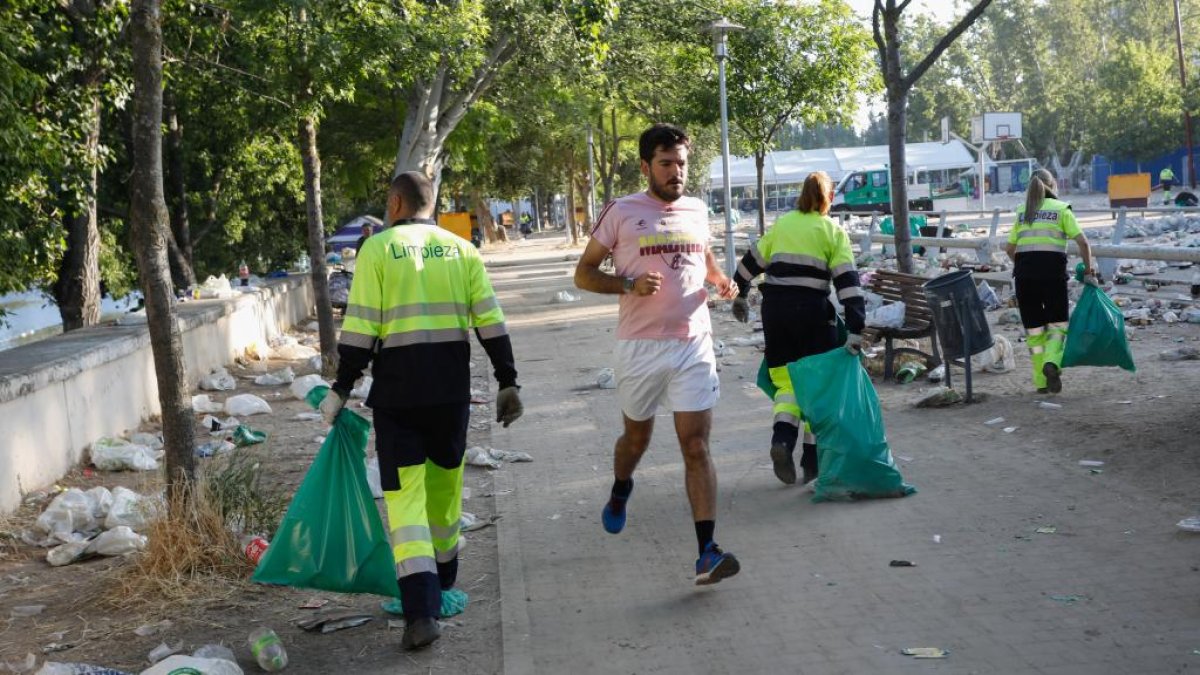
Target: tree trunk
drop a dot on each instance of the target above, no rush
(760, 156)
(572, 226)
(148, 222)
(483, 217)
(897, 103)
(316, 244)
(181, 252)
(77, 289)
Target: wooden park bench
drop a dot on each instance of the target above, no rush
(918, 319)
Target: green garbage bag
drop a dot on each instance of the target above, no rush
(1096, 333)
(839, 403)
(244, 435)
(764, 373)
(332, 537)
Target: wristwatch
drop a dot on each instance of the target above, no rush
(627, 284)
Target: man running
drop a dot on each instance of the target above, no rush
(659, 244)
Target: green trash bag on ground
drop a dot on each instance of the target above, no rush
(839, 403)
(1096, 333)
(332, 537)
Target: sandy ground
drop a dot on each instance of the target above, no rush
(83, 629)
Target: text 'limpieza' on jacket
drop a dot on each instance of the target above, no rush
(1042, 244)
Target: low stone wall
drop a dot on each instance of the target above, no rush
(60, 394)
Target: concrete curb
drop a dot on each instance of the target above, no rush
(514, 608)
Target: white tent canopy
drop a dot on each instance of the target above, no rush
(793, 166)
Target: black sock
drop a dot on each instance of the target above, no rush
(704, 533)
(621, 489)
(785, 434)
(808, 459)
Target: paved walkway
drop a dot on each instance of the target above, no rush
(1112, 590)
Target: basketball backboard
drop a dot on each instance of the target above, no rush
(996, 126)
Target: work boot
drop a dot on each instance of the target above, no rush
(1053, 377)
(420, 633)
(785, 467)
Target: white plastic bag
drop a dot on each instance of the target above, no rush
(246, 405)
(129, 509)
(71, 511)
(216, 426)
(510, 455)
(218, 380)
(201, 403)
(216, 287)
(152, 441)
(188, 664)
(118, 541)
(1000, 358)
(478, 456)
(293, 352)
(115, 454)
(987, 296)
(304, 384)
(373, 477)
(887, 316)
(285, 376)
(606, 378)
(67, 553)
(363, 389)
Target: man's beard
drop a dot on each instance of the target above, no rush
(660, 190)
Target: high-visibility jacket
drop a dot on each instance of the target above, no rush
(801, 254)
(418, 289)
(1166, 174)
(1042, 244)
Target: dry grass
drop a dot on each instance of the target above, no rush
(193, 557)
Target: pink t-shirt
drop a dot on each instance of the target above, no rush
(646, 234)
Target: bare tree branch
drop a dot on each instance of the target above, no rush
(876, 11)
(943, 44)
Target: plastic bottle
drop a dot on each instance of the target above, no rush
(268, 650)
(909, 372)
(254, 546)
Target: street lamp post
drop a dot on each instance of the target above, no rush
(720, 30)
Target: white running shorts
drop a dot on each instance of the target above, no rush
(680, 374)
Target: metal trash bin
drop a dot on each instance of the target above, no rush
(959, 320)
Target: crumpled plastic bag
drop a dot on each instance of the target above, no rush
(218, 380)
(120, 540)
(454, 602)
(606, 378)
(999, 358)
(116, 454)
(152, 441)
(201, 403)
(1096, 333)
(492, 458)
(178, 663)
(304, 384)
(246, 405)
(887, 316)
(293, 352)
(216, 426)
(129, 509)
(987, 296)
(57, 668)
(285, 376)
(216, 287)
(363, 389)
(71, 511)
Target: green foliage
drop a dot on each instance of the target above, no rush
(117, 266)
(1137, 112)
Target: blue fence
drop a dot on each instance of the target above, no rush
(1102, 167)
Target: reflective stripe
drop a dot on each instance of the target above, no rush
(849, 292)
(785, 398)
(365, 313)
(494, 330)
(415, 337)
(809, 437)
(1036, 330)
(758, 256)
(484, 306)
(787, 418)
(440, 532)
(416, 566)
(423, 309)
(1049, 248)
(842, 269)
(807, 282)
(1055, 336)
(1037, 350)
(1053, 234)
(408, 533)
(799, 259)
(448, 555)
(357, 340)
(1057, 325)
(741, 268)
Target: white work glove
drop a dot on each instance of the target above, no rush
(331, 405)
(854, 344)
(508, 406)
(741, 310)
(1092, 280)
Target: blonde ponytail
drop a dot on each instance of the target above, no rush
(1040, 183)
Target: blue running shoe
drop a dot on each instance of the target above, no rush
(613, 515)
(714, 565)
